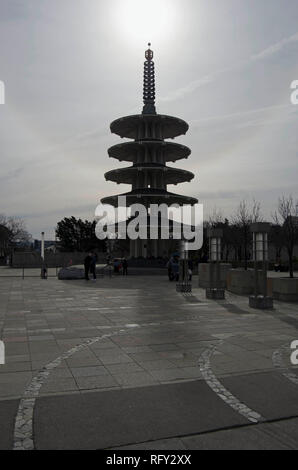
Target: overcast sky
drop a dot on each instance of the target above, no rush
(70, 67)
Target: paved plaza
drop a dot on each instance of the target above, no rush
(129, 363)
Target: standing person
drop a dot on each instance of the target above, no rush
(93, 265)
(116, 265)
(169, 266)
(124, 267)
(190, 269)
(175, 268)
(87, 262)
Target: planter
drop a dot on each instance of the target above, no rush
(285, 289)
(204, 281)
(215, 294)
(261, 302)
(183, 287)
(242, 282)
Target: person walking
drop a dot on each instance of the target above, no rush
(190, 269)
(93, 265)
(124, 267)
(87, 263)
(169, 267)
(175, 268)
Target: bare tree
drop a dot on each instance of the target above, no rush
(287, 219)
(215, 218)
(242, 219)
(16, 229)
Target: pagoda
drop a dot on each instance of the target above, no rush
(148, 153)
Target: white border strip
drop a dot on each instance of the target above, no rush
(278, 362)
(23, 429)
(221, 391)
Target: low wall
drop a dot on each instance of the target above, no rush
(32, 259)
(242, 282)
(204, 280)
(285, 289)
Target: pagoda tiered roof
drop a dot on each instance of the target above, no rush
(149, 151)
(128, 151)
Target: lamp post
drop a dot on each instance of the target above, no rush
(260, 298)
(42, 246)
(215, 291)
(43, 273)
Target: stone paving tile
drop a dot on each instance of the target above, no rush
(12, 390)
(166, 375)
(89, 371)
(180, 332)
(136, 349)
(135, 379)
(128, 367)
(15, 367)
(165, 347)
(59, 384)
(83, 362)
(98, 381)
(61, 372)
(15, 377)
(37, 365)
(13, 349)
(17, 358)
(113, 357)
(41, 337)
(144, 356)
(157, 365)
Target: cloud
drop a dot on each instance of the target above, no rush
(194, 85)
(12, 174)
(262, 116)
(274, 48)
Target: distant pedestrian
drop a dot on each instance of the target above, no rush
(116, 265)
(87, 263)
(169, 266)
(190, 269)
(93, 265)
(124, 267)
(175, 268)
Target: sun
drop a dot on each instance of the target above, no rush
(144, 20)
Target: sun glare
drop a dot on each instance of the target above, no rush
(144, 20)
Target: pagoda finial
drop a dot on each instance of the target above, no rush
(149, 83)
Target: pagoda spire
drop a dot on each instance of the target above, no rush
(149, 83)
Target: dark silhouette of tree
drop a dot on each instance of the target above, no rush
(16, 230)
(286, 218)
(276, 238)
(243, 218)
(78, 235)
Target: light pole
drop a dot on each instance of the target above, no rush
(42, 246)
(260, 298)
(43, 273)
(214, 291)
